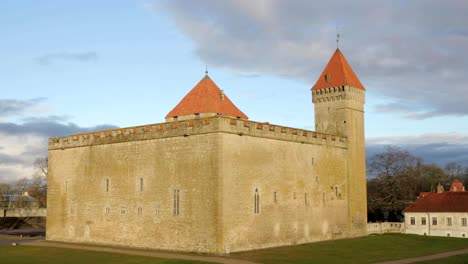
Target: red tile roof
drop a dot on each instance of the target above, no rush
(440, 202)
(206, 97)
(339, 73)
(457, 186)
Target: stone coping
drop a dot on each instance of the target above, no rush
(187, 128)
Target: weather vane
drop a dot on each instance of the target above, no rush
(337, 37)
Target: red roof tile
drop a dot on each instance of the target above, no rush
(339, 73)
(440, 202)
(206, 97)
(457, 186)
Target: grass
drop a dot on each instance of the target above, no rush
(370, 249)
(50, 255)
(373, 248)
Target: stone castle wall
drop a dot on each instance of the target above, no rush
(119, 186)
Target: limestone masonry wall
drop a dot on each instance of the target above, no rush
(193, 127)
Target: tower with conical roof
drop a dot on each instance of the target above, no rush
(338, 96)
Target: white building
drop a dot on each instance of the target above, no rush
(439, 213)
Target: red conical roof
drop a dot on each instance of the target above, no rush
(206, 97)
(337, 73)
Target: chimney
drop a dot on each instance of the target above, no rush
(440, 188)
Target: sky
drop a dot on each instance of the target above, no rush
(75, 66)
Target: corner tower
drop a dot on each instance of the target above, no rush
(338, 96)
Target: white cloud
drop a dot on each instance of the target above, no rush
(411, 51)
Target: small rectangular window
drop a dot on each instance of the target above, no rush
(107, 185)
(123, 210)
(176, 202)
(449, 221)
(140, 210)
(434, 221)
(107, 210)
(141, 184)
(412, 221)
(157, 212)
(463, 221)
(306, 199)
(275, 197)
(423, 220)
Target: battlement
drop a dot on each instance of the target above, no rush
(345, 92)
(191, 127)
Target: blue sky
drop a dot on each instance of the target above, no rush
(71, 66)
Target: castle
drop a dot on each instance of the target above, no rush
(210, 180)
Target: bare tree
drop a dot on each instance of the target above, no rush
(454, 171)
(38, 187)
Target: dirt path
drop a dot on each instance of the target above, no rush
(430, 257)
(142, 253)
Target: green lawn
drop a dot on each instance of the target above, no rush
(49, 255)
(373, 248)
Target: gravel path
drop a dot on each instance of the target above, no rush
(430, 257)
(141, 252)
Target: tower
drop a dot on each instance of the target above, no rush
(338, 96)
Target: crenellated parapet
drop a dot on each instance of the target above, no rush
(338, 93)
(192, 127)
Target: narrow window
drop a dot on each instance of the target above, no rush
(336, 191)
(306, 199)
(312, 161)
(294, 195)
(157, 210)
(423, 220)
(412, 221)
(275, 197)
(140, 210)
(449, 221)
(463, 221)
(256, 202)
(434, 221)
(107, 185)
(123, 210)
(317, 179)
(141, 184)
(176, 202)
(107, 210)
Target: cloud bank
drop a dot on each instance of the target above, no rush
(413, 52)
(21, 142)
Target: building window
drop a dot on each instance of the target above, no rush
(157, 210)
(434, 221)
(123, 210)
(176, 202)
(412, 221)
(107, 185)
(312, 161)
(140, 210)
(449, 221)
(275, 197)
(256, 202)
(306, 199)
(107, 210)
(463, 221)
(423, 220)
(141, 184)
